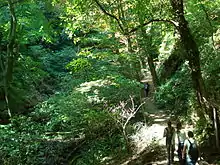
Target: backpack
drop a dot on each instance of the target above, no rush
(193, 151)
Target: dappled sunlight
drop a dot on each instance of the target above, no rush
(160, 118)
(87, 86)
(148, 134)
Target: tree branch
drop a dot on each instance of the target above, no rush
(153, 20)
(133, 113)
(110, 15)
(135, 28)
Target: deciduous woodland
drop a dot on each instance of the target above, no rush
(73, 78)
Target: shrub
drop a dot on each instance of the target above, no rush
(176, 93)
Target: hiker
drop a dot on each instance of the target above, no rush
(169, 135)
(180, 137)
(190, 150)
(146, 89)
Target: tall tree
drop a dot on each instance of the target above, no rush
(123, 24)
(191, 48)
(11, 54)
(193, 56)
(146, 39)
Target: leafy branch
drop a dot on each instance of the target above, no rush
(137, 27)
(209, 22)
(151, 21)
(110, 15)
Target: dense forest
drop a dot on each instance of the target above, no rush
(72, 75)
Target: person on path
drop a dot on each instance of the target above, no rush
(190, 150)
(180, 137)
(146, 89)
(169, 135)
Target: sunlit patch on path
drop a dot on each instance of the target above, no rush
(149, 138)
(151, 133)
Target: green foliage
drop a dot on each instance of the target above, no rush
(101, 151)
(30, 27)
(54, 62)
(27, 75)
(99, 41)
(63, 111)
(211, 67)
(20, 141)
(24, 141)
(176, 93)
(80, 64)
(102, 59)
(110, 90)
(203, 16)
(120, 89)
(101, 132)
(204, 132)
(29, 70)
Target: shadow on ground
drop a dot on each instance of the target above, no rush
(154, 153)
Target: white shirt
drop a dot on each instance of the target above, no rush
(180, 137)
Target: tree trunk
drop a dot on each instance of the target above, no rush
(153, 71)
(10, 56)
(129, 44)
(216, 128)
(136, 65)
(191, 48)
(193, 56)
(150, 59)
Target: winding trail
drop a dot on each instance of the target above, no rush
(148, 139)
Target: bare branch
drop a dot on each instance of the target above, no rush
(132, 114)
(132, 102)
(153, 20)
(110, 15)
